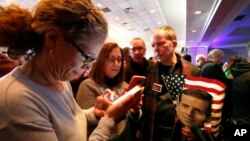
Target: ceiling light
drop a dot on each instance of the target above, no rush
(152, 11)
(106, 9)
(99, 5)
(191, 41)
(117, 18)
(158, 23)
(125, 24)
(193, 30)
(198, 12)
(129, 9)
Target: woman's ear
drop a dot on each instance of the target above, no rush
(52, 37)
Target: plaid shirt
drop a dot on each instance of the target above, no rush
(201, 135)
(151, 97)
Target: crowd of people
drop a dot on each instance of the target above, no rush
(65, 91)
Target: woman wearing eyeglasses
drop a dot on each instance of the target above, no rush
(36, 100)
(107, 72)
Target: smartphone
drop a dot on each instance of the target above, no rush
(112, 95)
(136, 80)
(135, 90)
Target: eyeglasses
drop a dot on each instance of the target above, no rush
(88, 59)
(113, 59)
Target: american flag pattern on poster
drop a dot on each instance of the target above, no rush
(174, 84)
(217, 90)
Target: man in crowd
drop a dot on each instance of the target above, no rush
(158, 103)
(138, 63)
(241, 91)
(200, 60)
(187, 57)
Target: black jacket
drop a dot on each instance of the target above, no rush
(241, 92)
(134, 68)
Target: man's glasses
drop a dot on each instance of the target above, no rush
(88, 59)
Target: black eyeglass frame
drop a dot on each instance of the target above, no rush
(112, 60)
(88, 59)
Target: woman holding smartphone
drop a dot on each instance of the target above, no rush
(106, 76)
(36, 99)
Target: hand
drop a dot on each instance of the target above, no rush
(125, 89)
(138, 106)
(101, 106)
(116, 111)
(110, 95)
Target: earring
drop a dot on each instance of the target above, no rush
(50, 51)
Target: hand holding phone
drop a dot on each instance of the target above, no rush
(111, 95)
(122, 105)
(136, 80)
(134, 91)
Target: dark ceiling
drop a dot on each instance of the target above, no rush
(229, 27)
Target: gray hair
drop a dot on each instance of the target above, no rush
(137, 38)
(199, 56)
(215, 53)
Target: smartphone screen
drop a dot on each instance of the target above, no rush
(135, 90)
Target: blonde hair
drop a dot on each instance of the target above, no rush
(169, 32)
